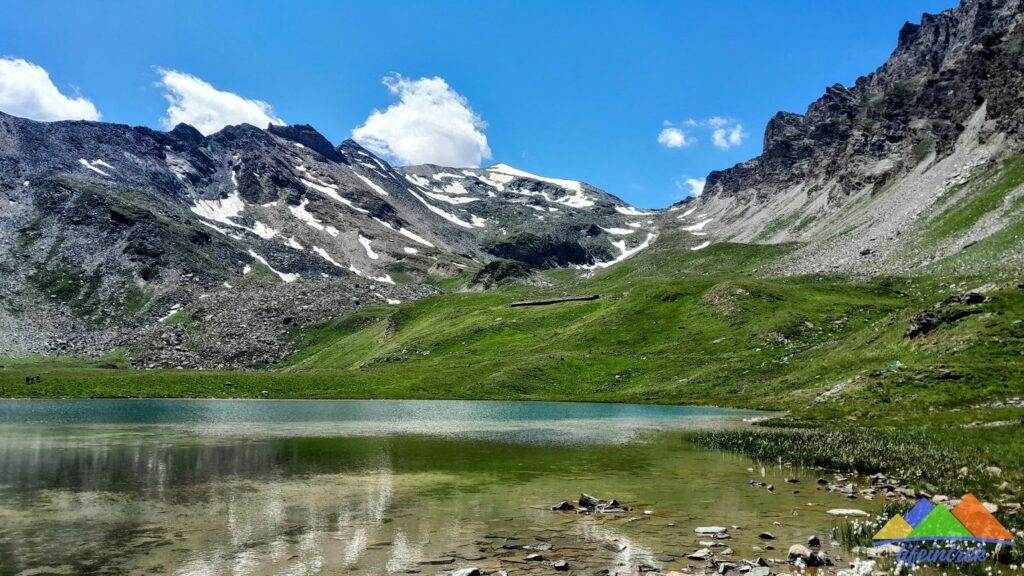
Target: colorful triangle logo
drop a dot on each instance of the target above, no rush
(895, 529)
(979, 521)
(940, 524)
(918, 512)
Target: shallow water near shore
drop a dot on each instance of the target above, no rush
(375, 487)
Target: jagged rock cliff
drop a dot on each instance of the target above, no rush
(863, 169)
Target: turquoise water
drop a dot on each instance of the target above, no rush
(536, 422)
(371, 487)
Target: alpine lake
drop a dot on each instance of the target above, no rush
(239, 487)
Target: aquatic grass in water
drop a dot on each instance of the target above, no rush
(919, 459)
(913, 456)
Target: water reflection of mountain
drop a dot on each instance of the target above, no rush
(156, 462)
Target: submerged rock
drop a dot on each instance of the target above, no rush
(702, 554)
(847, 512)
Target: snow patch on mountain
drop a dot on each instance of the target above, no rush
(220, 210)
(571, 185)
(618, 231)
(304, 215)
(414, 237)
(323, 254)
(284, 276)
(331, 191)
(698, 226)
(624, 252)
(630, 211)
(366, 245)
(449, 199)
(93, 166)
(373, 185)
(446, 215)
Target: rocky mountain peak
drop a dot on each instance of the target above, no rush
(940, 72)
(187, 134)
(307, 136)
(869, 161)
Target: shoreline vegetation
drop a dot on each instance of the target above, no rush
(899, 464)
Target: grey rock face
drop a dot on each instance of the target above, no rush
(938, 76)
(866, 169)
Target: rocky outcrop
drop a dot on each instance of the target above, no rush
(864, 177)
(498, 272)
(540, 251)
(941, 71)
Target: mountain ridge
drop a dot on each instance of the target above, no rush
(214, 251)
(867, 173)
(109, 229)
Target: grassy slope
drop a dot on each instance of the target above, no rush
(678, 326)
(672, 325)
(667, 329)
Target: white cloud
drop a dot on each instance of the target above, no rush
(672, 137)
(430, 124)
(725, 138)
(207, 109)
(725, 132)
(713, 122)
(27, 91)
(692, 186)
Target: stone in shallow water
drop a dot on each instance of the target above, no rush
(438, 561)
(799, 551)
(710, 530)
(847, 512)
(702, 554)
(614, 546)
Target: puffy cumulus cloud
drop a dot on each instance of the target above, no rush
(27, 91)
(429, 124)
(672, 137)
(725, 132)
(195, 102)
(691, 186)
(725, 138)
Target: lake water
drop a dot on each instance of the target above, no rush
(239, 487)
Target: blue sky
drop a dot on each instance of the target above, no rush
(577, 90)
